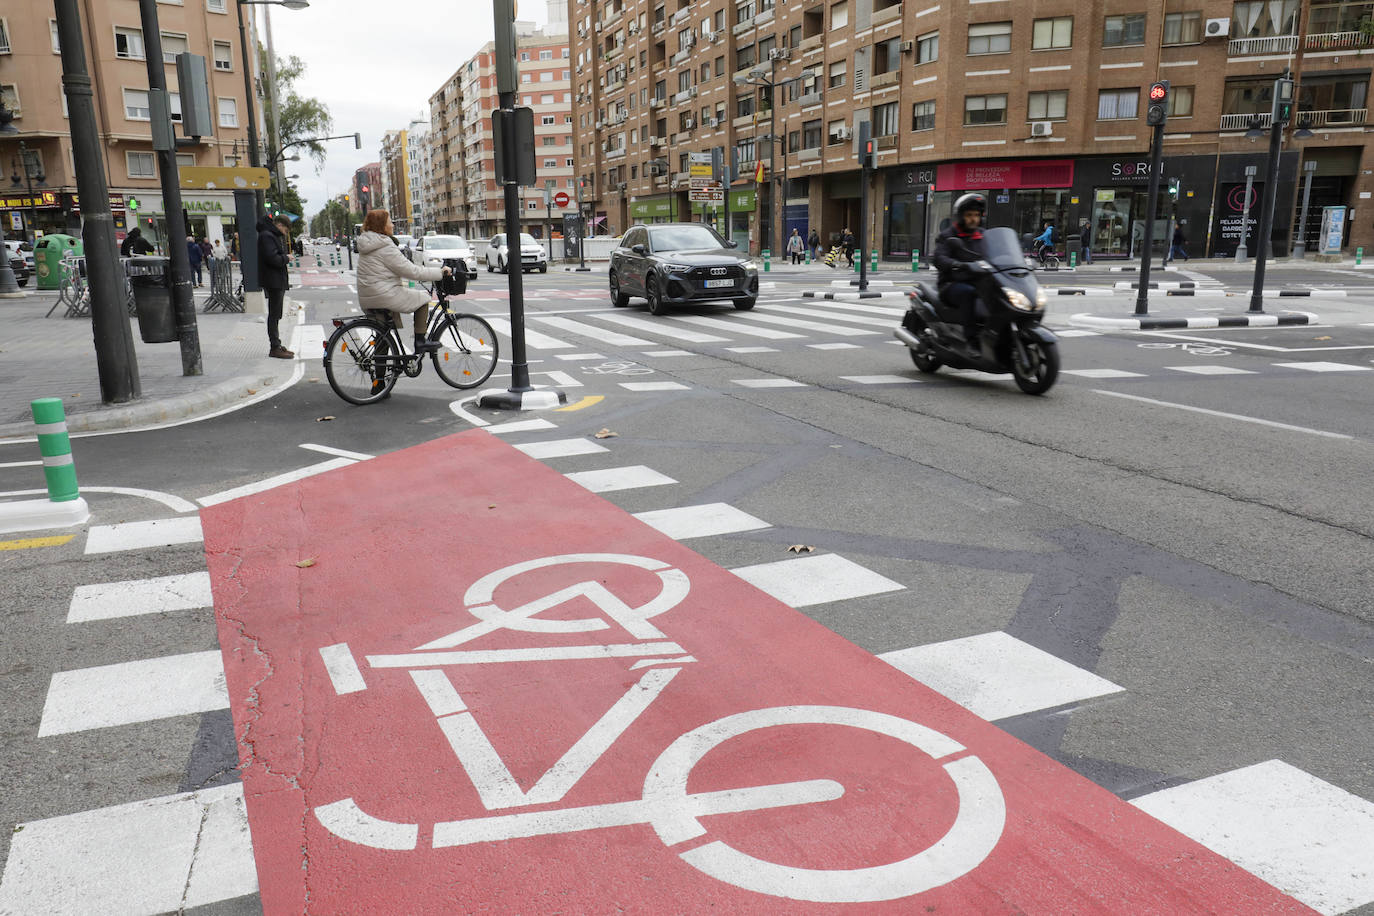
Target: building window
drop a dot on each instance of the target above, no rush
(885, 119)
(1052, 33)
(811, 134)
(546, 120)
(745, 150)
(550, 163)
(1120, 31)
(215, 6)
(834, 131)
(1048, 106)
(744, 12)
(928, 48)
(1183, 28)
(136, 105)
(550, 141)
(128, 43)
(4, 36)
(989, 38)
(568, 162)
(744, 57)
(186, 160)
(837, 74)
(546, 99)
(546, 55)
(9, 94)
(985, 109)
(887, 56)
(224, 56)
(56, 44)
(172, 45)
(839, 15)
(546, 76)
(1180, 101)
(1117, 104)
(524, 55)
(228, 113)
(744, 105)
(141, 165)
(923, 116)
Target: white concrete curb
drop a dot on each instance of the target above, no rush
(848, 283)
(1151, 323)
(41, 514)
(1161, 284)
(847, 297)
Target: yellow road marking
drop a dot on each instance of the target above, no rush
(26, 543)
(588, 401)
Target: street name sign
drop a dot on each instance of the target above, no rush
(231, 179)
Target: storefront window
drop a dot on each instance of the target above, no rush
(1111, 222)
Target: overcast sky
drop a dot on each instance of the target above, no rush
(375, 65)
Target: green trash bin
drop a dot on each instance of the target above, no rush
(48, 253)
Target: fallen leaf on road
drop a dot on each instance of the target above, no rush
(492, 506)
(800, 548)
(605, 433)
(306, 563)
(1328, 337)
(252, 391)
(323, 419)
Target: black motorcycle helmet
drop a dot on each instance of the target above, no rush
(970, 202)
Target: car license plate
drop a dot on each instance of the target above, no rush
(715, 284)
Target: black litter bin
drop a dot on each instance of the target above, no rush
(1075, 247)
(151, 281)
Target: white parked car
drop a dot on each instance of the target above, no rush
(407, 245)
(532, 254)
(434, 250)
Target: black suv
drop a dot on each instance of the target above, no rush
(678, 263)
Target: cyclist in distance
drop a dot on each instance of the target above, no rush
(958, 248)
(382, 272)
(1044, 242)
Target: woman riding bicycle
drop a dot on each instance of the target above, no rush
(1044, 243)
(382, 272)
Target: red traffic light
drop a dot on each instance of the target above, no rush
(365, 189)
(1158, 91)
(868, 146)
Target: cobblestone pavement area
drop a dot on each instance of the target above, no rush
(55, 357)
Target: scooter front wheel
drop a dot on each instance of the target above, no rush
(925, 360)
(1040, 368)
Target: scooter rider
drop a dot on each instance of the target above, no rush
(958, 251)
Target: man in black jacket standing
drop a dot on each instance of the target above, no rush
(272, 261)
(957, 248)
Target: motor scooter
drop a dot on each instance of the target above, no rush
(1011, 338)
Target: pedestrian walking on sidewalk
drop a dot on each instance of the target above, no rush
(795, 246)
(134, 244)
(814, 240)
(273, 242)
(219, 259)
(195, 255)
(1177, 249)
(847, 243)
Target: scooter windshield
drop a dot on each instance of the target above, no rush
(1001, 248)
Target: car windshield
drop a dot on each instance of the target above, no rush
(528, 240)
(444, 241)
(682, 238)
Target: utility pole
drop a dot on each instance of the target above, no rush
(1156, 114)
(164, 148)
(1282, 112)
(867, 154)
(277, 167)
(1309, 168)
(116, 363)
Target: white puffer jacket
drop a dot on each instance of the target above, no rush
(382, 272)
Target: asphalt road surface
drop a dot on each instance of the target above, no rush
(1185, 518)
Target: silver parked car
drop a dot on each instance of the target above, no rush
(532, 255)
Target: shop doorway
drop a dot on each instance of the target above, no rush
(1033, 209)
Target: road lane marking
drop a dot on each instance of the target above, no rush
(654, 386)
(560, 448)
(632, 477)
(601, 335)
(701, 521)
(819, 579)
(521, 426)
(1228, 416)
(130, 692)
(340, 452)
(278, 480)
(588, 401)
(751, 349)
(108, 600)
(1319, 366)
(26, 543)
(1211, 370)
(767, 383)
(158, 532)
(1102, 373)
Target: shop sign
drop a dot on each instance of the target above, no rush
(1104, 195)
(1129, 170)
(917, 177)
(1033, 174)
(116, 202)
(205, 206)
(41, 199)
(1333, 229)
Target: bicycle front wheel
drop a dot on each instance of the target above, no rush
(356, 362)
(467, 350)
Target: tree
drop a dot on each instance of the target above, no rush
(301, 117)
(334, 219)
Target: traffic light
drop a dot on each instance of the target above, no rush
(1283, 101)
(1158, 103)
(1173, 188)
(868, 157)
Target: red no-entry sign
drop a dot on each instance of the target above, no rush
(561, 199)
(511, 696)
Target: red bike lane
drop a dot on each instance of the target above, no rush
(463, 683)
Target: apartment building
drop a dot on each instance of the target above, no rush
(1039, 105)
(31, 86)
(367, 188)
(468, 199)
(418, 170)
(395, 161)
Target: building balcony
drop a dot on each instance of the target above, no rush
(811, 44)
(890, 14)
(615, 85)
(1274, 44)
(612, 53)
(617, 153)
(1242, 121)
(1336, 41)
(879, 80)
(658, 27)
(1334, 117)
(681, 15)
(809, 155)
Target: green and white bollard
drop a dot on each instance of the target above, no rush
(873, 266)
(915, 260)
(1359, 256)
(767, 260)
(1073, 259)
(56, 448)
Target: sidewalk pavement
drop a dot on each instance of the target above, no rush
(55, 357)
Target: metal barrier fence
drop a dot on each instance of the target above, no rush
(223, 295)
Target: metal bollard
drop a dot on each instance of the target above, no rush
(767, 262)
(56, 448)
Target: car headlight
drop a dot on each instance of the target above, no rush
(676, 267)
(1018, 300)
(751, 264)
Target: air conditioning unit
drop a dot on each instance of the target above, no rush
(1217, 28)
(692, 93)
(622, 186)
(689, 39)
(597, 26)
(689, 124)
(655, 102)
(713, 122)
(780, 54)
(600, 124)
(712, 36)
(634, 28)
(907, 47)
(581, 31)
(1042, 128)
(655, 141)
(842, 133)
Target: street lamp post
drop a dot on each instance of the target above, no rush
(1300, 243)
(772, 234)
(1250, 171)
(29, 159)
(9, 285)
(1282, 111)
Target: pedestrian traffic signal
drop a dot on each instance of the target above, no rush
(1283, 101)
(1173, 188)
(868, 157)
(1158, 107)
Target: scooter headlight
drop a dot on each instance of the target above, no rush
(1041, 300)
(1017, 299)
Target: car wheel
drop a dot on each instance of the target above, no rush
(655, 296)
(618, 299)
(744, 305)
(543, 268)
(501, 265)
(488, 265)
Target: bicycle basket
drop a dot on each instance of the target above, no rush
(456, 283)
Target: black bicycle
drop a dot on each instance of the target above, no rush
(365, 356)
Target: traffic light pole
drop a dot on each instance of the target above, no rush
(1156, 114)
(1266, 226)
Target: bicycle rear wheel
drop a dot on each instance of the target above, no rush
(467, 352)
(355, 360)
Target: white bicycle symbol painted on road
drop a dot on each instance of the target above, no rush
(1196, 349)
(664, 802)
(618, 367)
